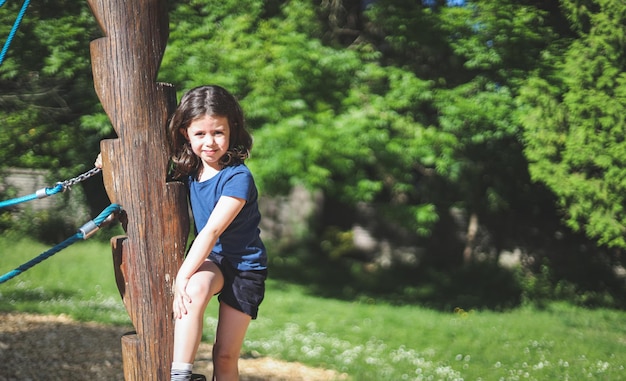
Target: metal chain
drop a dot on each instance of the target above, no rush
(67, 184)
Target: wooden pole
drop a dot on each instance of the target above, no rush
(125, 64)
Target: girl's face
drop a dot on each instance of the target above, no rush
(209, 137)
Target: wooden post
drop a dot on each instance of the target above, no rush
(125, 64)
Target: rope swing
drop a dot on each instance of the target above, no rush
(86, 231)
(16, 25)
(45, 192)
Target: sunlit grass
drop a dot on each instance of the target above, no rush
(77, 281)
(382, 342)
(365, 339)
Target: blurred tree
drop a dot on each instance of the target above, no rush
(476, 55)
(573, 116)
(46, 89)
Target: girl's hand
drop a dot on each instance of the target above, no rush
(98, 162)
(180, 298)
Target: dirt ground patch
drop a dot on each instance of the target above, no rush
(51, 348)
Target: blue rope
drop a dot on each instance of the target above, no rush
(81, 234)
(45, 255)
(102, 217)
(45, 192)
(16, 25)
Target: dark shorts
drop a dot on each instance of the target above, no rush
(243, 290)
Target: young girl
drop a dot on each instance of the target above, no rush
(227, 257)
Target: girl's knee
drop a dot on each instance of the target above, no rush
(200, 291)
(224, 358)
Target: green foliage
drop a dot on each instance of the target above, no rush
(574, 123)
(481, 52)
(480, 148)
(47, 226)
(45, 88)
(409, 35)
(537, 288)
(597, 287)
(500, 40)
(52, 225)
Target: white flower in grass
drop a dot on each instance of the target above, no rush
(602, 366)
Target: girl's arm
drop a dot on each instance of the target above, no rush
(224, 213)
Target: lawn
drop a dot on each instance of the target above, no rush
(366, 339)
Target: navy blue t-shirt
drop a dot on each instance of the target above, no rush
(240, 243)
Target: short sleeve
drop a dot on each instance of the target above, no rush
(239, 185)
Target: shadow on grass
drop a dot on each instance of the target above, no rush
(477, 286)
(33, 295)
(585, 280)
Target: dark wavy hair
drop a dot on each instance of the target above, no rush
(198, 102)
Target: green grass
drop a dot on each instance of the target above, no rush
(77, 281)
(368, 340)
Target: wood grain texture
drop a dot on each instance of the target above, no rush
(125, 63)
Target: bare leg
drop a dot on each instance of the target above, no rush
(205, 283)
(231, 331)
